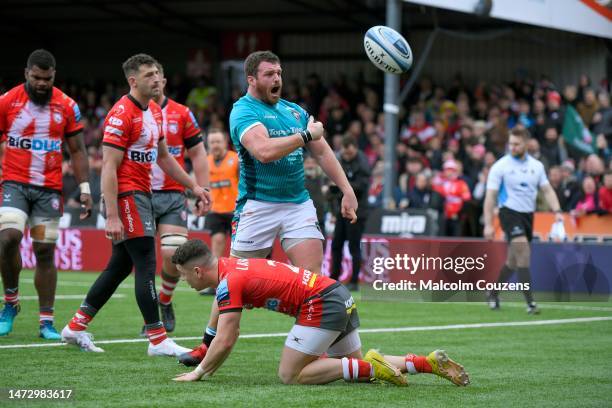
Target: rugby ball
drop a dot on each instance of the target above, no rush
(387, 50)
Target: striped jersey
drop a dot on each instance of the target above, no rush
(281, 181)
(517, 182)
(34, 136)
(136, 130)
(182, 132)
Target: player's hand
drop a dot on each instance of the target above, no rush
(114, 229)
(187, 377)
(315, 128)
(203, 201)
(489, 232)
(86, 206)
(349, 207)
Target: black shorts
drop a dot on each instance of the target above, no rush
(219, 223)
(516, 224)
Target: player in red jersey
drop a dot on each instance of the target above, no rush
(35, 120)
(183, 135)
(133, 140)
(326, 322)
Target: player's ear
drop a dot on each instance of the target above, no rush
(251, 80)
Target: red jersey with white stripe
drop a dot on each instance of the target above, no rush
(34, 136)
(136, 130)
(182, 132)
(248, 283)
(455, 193)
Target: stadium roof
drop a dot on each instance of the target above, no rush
(205, 19)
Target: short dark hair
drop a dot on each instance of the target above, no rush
(348, 140)
(251, 63)
(132, 64)
(192, 249)
(43, 59)
(522, 133)
(160, 68)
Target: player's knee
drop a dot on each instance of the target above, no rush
(171, 241)
(45, 230)
(10, 239)
(287, 376)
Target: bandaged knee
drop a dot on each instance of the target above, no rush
(44, 230)
(173, 240)
(13, 218)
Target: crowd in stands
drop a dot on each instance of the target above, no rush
(448, 139)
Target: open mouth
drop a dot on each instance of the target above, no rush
(275, 90)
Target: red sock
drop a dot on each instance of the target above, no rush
(11, 296)
(354, 370)
(167, 290)
(156, 336)
(417, 364)
(79, 321)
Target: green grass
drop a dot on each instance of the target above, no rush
(551, 365)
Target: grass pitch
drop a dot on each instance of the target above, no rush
(528, 365)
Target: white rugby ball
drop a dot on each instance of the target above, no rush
(387, 50)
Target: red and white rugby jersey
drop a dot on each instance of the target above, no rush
(182, 132)
(136, 130)
(34, 136)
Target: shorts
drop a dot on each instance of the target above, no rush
(516, 224)
(257, 223)
(219, 223)
(136, 215)
(170, 208)
(33, 201)
(324, 321)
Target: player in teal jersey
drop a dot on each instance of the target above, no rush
(270, 134)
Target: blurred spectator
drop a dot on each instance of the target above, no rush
(455, 192)
(605, 193)
(375, 192)
(570, 185)
(473, 164)
(554, 116)
(602, 120)
(422, 196)
(552, 148)
(588, 107)
(588, 202)
(338, 121)
(315, 183)
(418, 127)
(202, 96)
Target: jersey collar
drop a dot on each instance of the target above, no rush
(135, 102)
(520, 160)
(164, 102)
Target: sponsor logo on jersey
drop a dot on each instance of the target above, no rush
(142, 157)
(272, 304)
(295, 113)
(175, 150)
(173, 127)
(115, 121)
(57, 117)
(35, 145)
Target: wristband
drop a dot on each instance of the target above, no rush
(85, 189)
(199, 371)
(306, 136)
(207, 189)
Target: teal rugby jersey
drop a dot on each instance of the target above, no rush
(281, 181)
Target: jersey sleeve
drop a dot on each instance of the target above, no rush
(242, 119)
(229, 295)
(494, 180)
(191, 129)
(73, 118)
(542, 179)
(116, 129)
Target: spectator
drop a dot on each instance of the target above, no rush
(602, 120)
(315, 183)
(552, 148)
(455, 192)
(570, 185)
(554, 116)
(588, 202)
(473, 164)
(422, 196)
(588, 107)
(418, 127)
(605, 193)
(375, 192)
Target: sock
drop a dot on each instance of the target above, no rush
(354, 370)
(45, 315)
(156, 333)
(82, 317)
(525, 277)
(167, 289)
(417, 364)
(11, 296)
(504, 275)
(209, 335)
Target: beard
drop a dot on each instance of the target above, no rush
(39, 98)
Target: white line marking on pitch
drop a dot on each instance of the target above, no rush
(63, 297)
(381, 330)
(61, 283)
